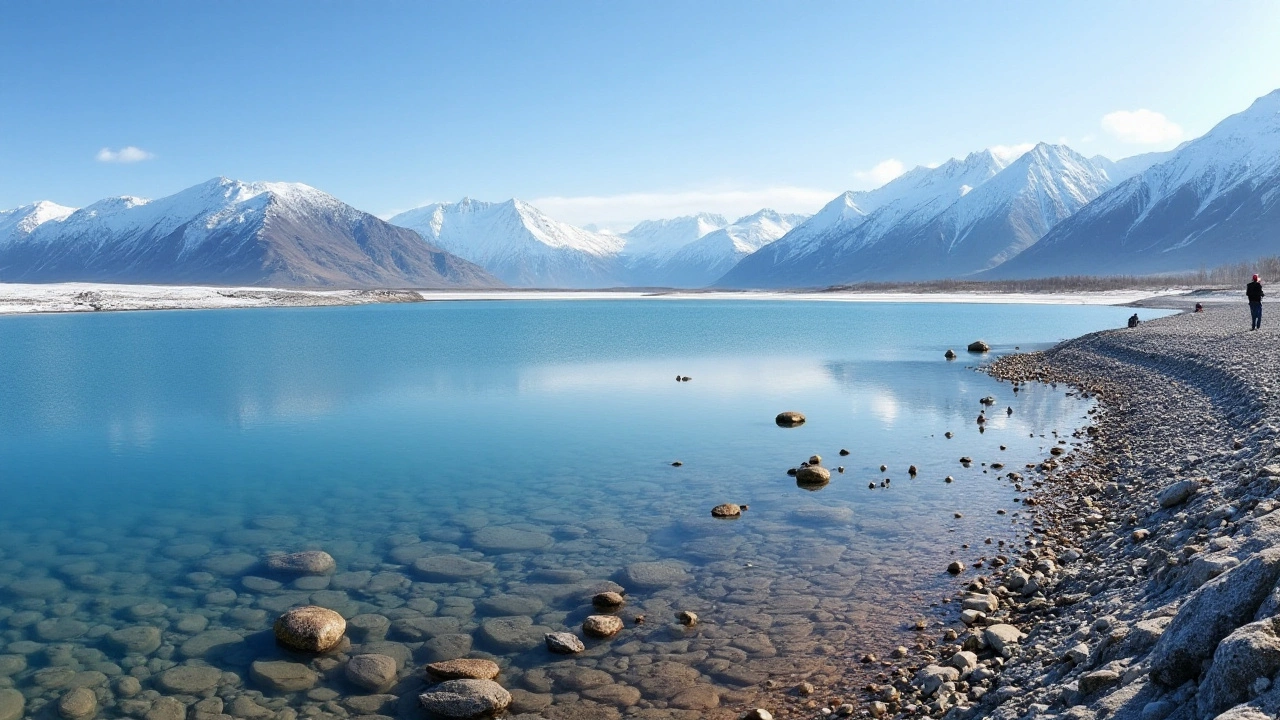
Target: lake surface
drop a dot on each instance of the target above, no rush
(150, 460)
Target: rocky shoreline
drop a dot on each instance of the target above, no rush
(1148, 586)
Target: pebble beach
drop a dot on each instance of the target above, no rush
(1148, 587)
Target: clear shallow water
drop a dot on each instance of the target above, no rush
(151, 458)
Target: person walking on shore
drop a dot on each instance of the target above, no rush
(1253, 291)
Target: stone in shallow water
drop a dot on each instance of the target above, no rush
(602, 626)
(655, 575)
(78, 704)
(188, 679)
(307, 562)
(283, 676)
(230, 564)
(210, 644)
(512, 633)
(310, 629)
(368, 627)
(12, 664)
(506, 539)
(446, 647)
(466, 698)
(417, 629)
(253, 583)
(136, 640)
(465, 668)
(564, 643)
(624, 696)
(371, 672)
(12, 703)
(511, 605)
(36, 587)
(449, 568)
(166, 708)
(59, 629)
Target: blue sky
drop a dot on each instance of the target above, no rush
(598, 112)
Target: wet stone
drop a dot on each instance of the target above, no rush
(371, 672)
(12, 703)
(166, 708)
(210, 644)
(446, 647)
(506, 539)
(654, 575)
(602, 626)
(189, 679)
(465, 698)
(137, 640)
(449, 568)
(475, 669)
(12, 664)
(512, 633)
(310, 629)
(564, 643)
(36, 587)
(78, 704)
(511, 605)
(283, 676)
(308, 562)
(59, 629)
(417, 629)
(229, 565)
(367, 627)
(253, 583)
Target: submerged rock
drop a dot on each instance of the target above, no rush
(465, 698)
(283, 676)
(813, 475)
(372, 672)
(310, 629)
(78, 704)
(610, 600)
(308, 562)
(463, 669)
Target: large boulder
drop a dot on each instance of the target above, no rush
(979, 346)
(1249, 653)
(1213, 612)
(1001, 637)
(308, 562)
(465, 698)
(310, 629)
(931, 677)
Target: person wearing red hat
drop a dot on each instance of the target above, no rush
(1253, 291)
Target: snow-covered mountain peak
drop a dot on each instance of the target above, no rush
(658, 239)
(21, 221)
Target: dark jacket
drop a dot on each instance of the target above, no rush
(1253, 291)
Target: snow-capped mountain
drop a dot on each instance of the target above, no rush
(1215, 201)
(519, 244)
(823, 250)
(660, 239)
(229, 232)
(18, 223)
(702, 261)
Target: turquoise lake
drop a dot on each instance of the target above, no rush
(150, 460)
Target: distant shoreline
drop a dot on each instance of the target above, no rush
(22, 299)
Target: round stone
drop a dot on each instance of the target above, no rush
(813, 475)
(12, 703)
(450, 568)
(283, 676)
(464, 668)
(727, 510)
(59, 629)
(12, 664)
(789, 419)
(371, 672)
(189, 679)
(210, 643)
(465, 698)
(307, 562)
(506, 539)
(564, 643)
(602, 626)
(310, 629)
(655, 575)
(608, 600)
(137, 640)
(41, 587)
(512, 633)
(78, 704)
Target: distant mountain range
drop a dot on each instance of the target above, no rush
(1050, 211)
(225, 232)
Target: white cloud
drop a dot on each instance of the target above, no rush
(1143, 127)
(882, 173)
(127, 154)
(1009, 153)
(620, 212)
